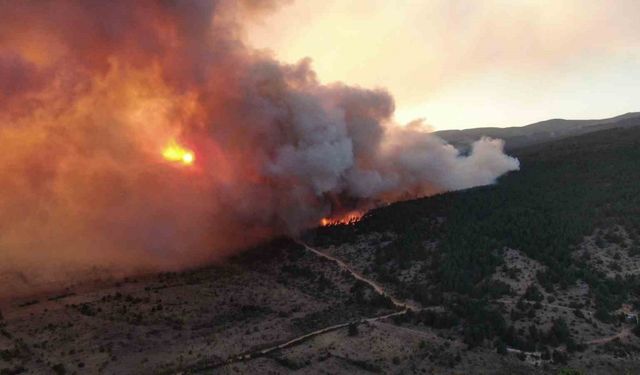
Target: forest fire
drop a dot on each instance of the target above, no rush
(176, 153)
(92, 90)
(351, 217)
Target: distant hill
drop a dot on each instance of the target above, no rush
(539, 132)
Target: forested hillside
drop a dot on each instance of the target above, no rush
(565, 191)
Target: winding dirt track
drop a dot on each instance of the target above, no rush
(300, 339)
(405, 306)
(603, 340)
(377, 287)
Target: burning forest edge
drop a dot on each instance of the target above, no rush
(147, 136)
(279, 294)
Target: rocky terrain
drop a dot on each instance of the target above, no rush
(207, 320)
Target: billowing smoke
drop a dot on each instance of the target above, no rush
(92, 92)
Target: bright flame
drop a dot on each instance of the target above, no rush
(175, 152)
(351, 217)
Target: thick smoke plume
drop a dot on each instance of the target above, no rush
(92, 91)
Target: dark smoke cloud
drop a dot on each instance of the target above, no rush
(91, 92)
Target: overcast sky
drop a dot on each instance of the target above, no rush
(462, 64)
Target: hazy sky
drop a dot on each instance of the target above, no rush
(461, 64)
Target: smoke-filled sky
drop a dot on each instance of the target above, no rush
(465, 63)
(147, 135)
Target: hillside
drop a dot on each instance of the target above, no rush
(539, 132)
(533, 275)
(563, 231)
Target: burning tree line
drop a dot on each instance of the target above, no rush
(147, 135)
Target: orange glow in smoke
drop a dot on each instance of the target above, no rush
(176, 153)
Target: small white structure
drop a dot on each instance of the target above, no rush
(631, 318)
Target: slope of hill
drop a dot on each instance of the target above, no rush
(538, 132)
(556, 244)
(533, 275)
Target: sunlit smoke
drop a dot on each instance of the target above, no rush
(142, 136)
